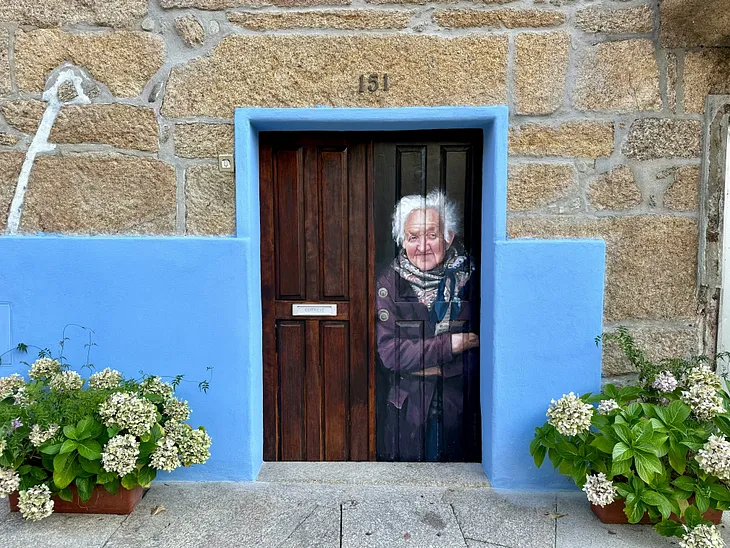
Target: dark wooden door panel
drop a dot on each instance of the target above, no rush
(314, 244)
(335, 224)
(335, 359)
(289, 224)
(291, 341)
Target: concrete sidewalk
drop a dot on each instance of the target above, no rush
(349, 505)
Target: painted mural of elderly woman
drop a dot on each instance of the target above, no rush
(423, 332)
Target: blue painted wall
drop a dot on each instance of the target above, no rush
(177, 305)
(548, 306)
(165, 306)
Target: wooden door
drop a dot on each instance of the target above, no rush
(428, 390)
(314, 250)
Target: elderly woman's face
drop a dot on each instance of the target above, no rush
(424, 242)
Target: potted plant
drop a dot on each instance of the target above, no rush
(654, 452)
(75, 444)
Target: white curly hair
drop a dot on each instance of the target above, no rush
(436, 200)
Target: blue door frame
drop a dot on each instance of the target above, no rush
(542, 300)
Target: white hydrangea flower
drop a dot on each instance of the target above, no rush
(702, 374)
(105, 379)
(569, 415)
(38, 436)
(9, 482)
(702, 536)
(8, 385)
(154, 385)
(606, 406)
(194, 447)
(177, 410)
(22, 398)
(127, 411)
(3, 446)
(165, 457)
(703, 400)
(120, 454)
(35, 503)
(599, 490)
(714, 457)
(44, 367)
(177, 431)
(66, 381)
(665, 382)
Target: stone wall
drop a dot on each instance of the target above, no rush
(606, 97)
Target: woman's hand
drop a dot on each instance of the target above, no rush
(461, 342)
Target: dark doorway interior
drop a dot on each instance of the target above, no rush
(352, 368)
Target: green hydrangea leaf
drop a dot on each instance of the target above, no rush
(146, 475)
(85, 487)
(669, 528)
(90, 449)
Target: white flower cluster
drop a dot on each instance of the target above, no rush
(120, 454)
(35, 503)
(606, 406)
(44, 367)
(22, 398)
(165, 457)
(127, 411)
(66, 381)
(9, 482)
(38, 436)
(702, 536)
(714, 457)
(177, 410)
(665, 382)
(703, 400)
(194, 447)
(105, 379)
(155, 386)
(3, 445)
(177, 431)
(569, 415)
(599, 490)
(702, 374)
(8, 385)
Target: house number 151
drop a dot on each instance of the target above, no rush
(372, 82)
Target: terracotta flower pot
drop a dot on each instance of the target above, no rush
(101, 502)
(614, 513)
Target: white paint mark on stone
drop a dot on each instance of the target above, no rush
(40, 140)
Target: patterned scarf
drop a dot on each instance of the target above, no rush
(438, 288)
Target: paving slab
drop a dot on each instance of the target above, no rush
(221, 514)
(58, 530)
(423, 523)
(512, 519)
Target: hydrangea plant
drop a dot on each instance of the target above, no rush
(660, 445)
(59, 430)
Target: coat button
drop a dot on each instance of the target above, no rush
(382, 292)
(383, 315)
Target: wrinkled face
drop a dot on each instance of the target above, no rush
(424, 242)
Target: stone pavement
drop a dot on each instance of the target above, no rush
(348, 505)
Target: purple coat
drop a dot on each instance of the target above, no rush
(407, 344)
